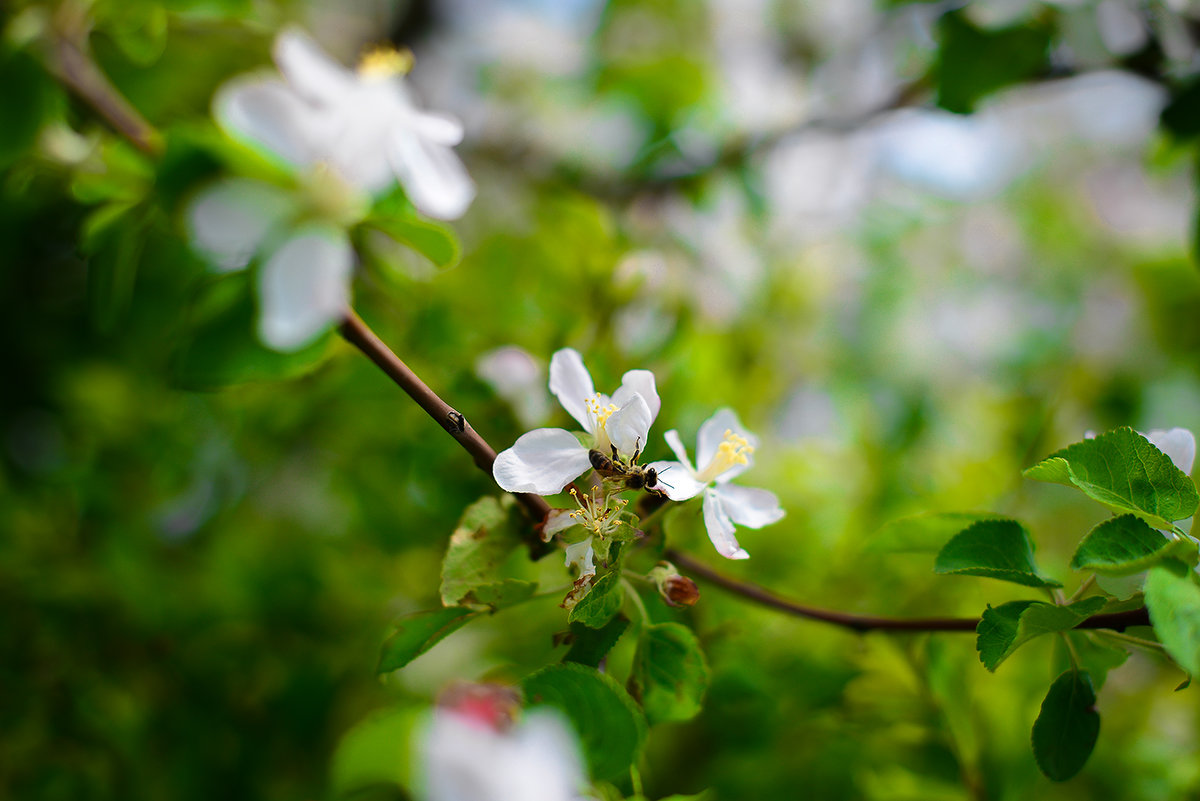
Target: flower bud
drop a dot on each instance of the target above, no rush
(675, 589)
(492, 706)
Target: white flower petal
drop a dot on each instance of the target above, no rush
(542, 461)
(720, 528)
(748, 506)
(438, 128)
(571, 383)
(265, 112)
(230, 221)
(433, 177)
(304, 287)
(676, 480)
(676, 446)
(309, 70)
(1178, 443)
(712, 432)
(557, 521)
(537, 760)
(581, 555)
(629, 427)
(675, 443)
(640, 382)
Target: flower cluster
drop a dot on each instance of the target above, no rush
(351, 133)
(545, 460)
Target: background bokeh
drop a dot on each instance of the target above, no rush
(917, 246)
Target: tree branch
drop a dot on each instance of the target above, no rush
(1117, 621)
(71, 60)
(358, 334)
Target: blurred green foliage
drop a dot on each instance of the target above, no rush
(195, 584)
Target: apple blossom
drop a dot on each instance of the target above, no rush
(363, 125)
(724, 449)
(304, 281)
(472, 752)
(545, 460)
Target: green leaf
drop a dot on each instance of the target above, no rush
(417, 633)
(610, 726)
(140, 32)
(1123, 471)
(670, 674)
(489, 531)
(600, 604)
(1005, 628)
(223, 346)
(29, 98)
(1094, 655)
(114, 236)
(974, 62)
(924, 533)
(1181, 116)
(376, 751)
(589, 646)
(999, 549)
(1173, 600)
(433, 241)
(1066, 729)
(1122, 546)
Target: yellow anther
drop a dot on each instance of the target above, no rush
(600, 515)
(601, 413)
(733, 450)
(385, 61)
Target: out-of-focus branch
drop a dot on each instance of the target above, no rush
(1117, 621)
(358, 334)
(71, 60)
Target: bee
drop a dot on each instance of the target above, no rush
(632, 476)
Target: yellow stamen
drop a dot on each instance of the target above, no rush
(733, 450)
(601, 413)
(599, 517)
(385, 61)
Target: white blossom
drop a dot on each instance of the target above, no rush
(545, 460)
(724, 449)
(466, 758)
(363, 125)
(304, 280)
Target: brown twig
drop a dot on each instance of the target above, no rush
(1117, 621)
(358, 334)
(75, 67)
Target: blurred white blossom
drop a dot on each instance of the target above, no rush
(468, 756)
(363, 125)
(304, 281)
(516, 377)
